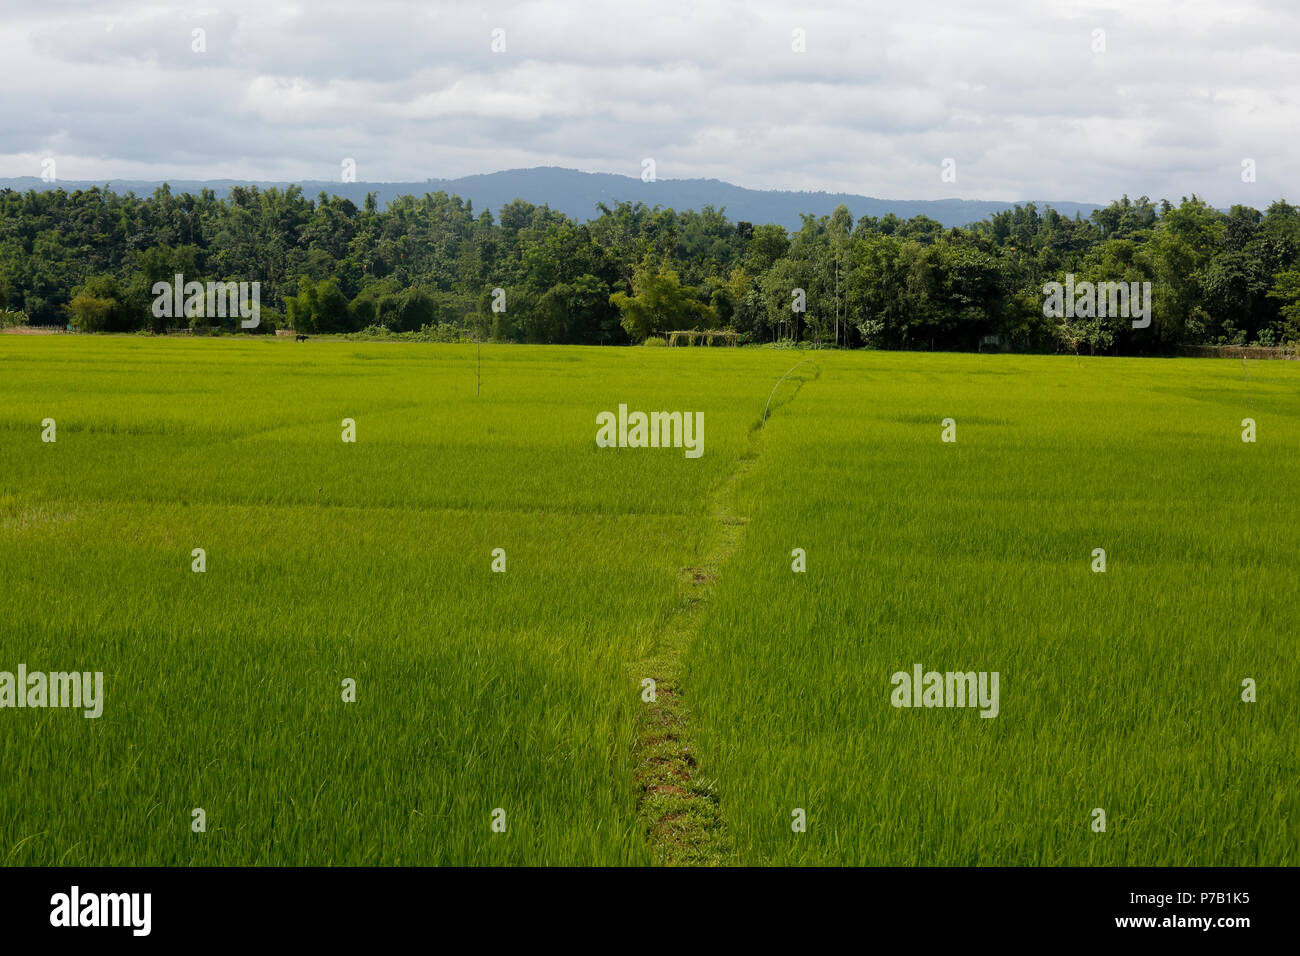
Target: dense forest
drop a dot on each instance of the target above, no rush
(432, 268)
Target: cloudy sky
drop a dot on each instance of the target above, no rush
(1051, 99)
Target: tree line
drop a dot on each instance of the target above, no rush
(431, 266)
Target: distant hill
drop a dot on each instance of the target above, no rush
(576, 194)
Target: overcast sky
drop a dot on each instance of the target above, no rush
(1016, 93)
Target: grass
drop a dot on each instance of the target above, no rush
(521, 691)
(1119, 690)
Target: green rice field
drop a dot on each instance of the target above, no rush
(500, 716)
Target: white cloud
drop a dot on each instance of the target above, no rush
(1012, 91)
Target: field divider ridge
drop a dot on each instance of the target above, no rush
(679, 810)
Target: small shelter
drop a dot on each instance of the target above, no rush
(704, 337)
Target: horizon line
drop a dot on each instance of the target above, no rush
(526, 169)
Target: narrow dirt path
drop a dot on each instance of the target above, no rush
(678, 808)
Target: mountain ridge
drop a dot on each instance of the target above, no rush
(576, 193)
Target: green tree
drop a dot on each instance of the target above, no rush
(1286, 289)
(97, 306)
(318, 307)
(658, 303)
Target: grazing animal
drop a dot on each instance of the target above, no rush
(302, 338)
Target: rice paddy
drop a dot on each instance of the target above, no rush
(428, 645)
